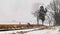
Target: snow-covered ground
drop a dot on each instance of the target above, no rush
(45, 31)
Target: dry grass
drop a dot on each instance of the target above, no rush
(21, 26)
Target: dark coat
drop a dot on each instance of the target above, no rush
(42, 13)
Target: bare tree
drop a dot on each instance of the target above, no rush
(36, 14)
(55, 5)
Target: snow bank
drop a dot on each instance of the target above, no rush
(46, 31)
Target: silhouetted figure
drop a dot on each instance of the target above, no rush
(42, 13)
(28, 23)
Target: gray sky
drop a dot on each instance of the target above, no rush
(19, 10)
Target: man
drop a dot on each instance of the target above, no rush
(42, 13)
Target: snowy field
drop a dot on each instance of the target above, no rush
(45, 31)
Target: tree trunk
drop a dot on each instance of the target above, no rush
(37, 20)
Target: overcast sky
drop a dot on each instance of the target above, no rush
(19, 10)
